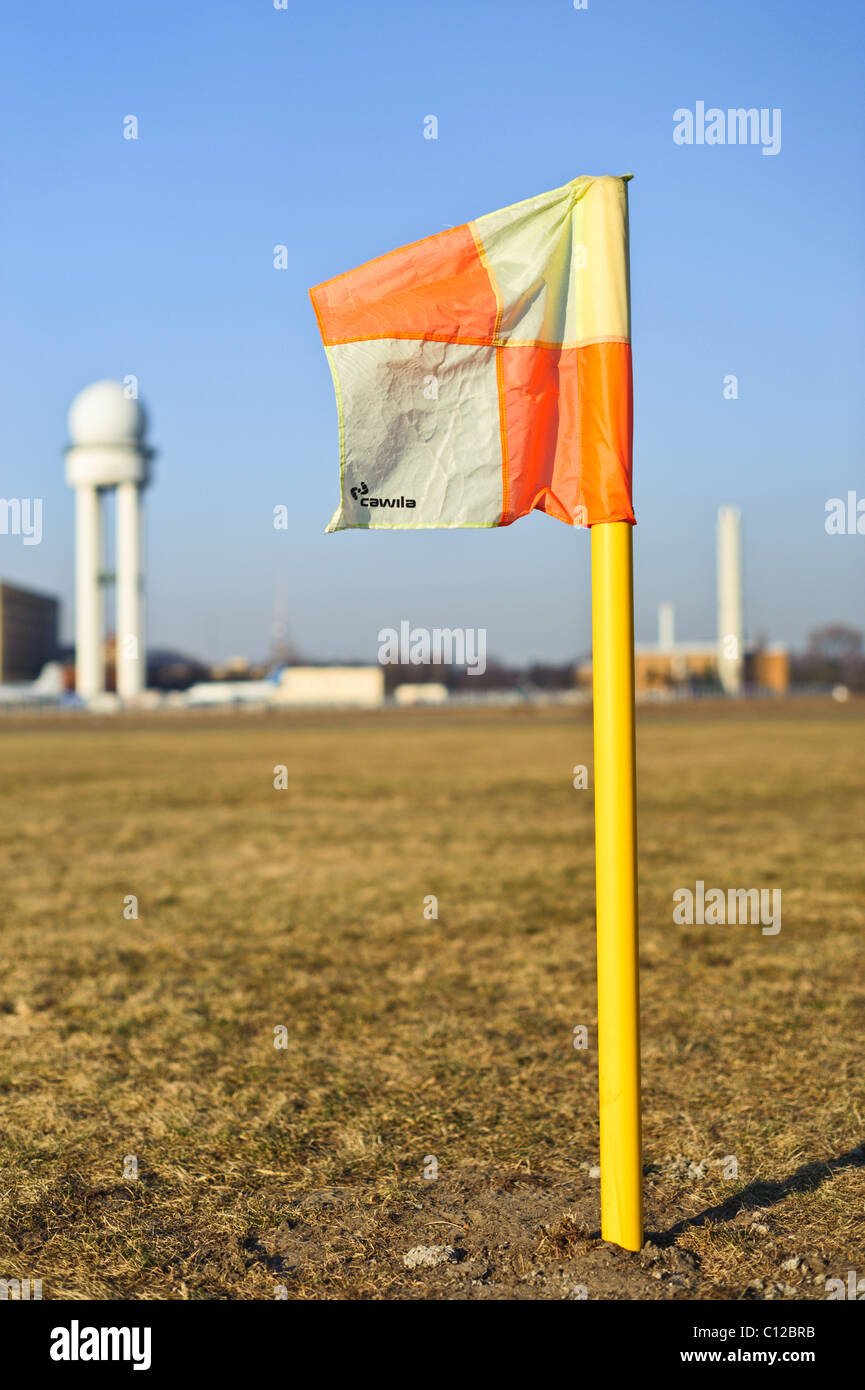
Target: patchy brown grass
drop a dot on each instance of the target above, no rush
(302, 1168)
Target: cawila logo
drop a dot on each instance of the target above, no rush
(715, 907)
(77, 1343)
(438, 646)
(361, 494)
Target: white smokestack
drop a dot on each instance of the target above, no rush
(666, 627)
(730, 656)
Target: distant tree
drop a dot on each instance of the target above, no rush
(167, 670)
(547, 676)
(834, 656)
(835, 643)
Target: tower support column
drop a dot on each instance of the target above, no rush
(130, 650)
(89, 666)
(730, 624)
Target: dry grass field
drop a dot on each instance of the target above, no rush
(298, 1171)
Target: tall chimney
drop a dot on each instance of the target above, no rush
(730, 655)
(666, 627)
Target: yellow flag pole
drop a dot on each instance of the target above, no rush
(616, 884)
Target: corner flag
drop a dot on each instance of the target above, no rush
(485, 372)
(482, 374)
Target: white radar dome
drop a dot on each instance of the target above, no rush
(104, 414)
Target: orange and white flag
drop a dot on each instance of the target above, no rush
(485, 372)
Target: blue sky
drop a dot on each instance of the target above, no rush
(304, 127)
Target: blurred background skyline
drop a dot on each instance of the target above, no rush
(261, 127)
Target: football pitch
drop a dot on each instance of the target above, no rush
(261, 1041)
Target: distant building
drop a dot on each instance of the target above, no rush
(357, 687)
(309, 687)
(670, 666)
(679, 664)
(28, 632)
(768, 668)
(230, 693)
(235, 668)
(727, 663)
(421, 693)
(697, 664)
